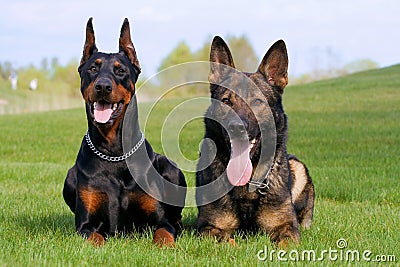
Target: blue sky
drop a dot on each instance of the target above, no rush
(322, 33)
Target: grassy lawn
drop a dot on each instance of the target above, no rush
(346, 130)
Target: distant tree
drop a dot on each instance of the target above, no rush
(68, 75)
(54, 64)
(203, 54)
(44, 64)
(202, 70)
(26, 74)
(360, 65)
(5, 69)
(180, 54)
(243, 53)
(2, 72)
(177, 75)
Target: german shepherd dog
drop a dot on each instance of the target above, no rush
(100, 188)
(285, 196)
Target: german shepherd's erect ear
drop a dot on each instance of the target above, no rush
(274, 66)
(90, 46)
(219, 54)
(126, 45)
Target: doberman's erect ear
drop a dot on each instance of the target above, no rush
(274, 65)
(221, 60)
(90, 46)
(126, 45)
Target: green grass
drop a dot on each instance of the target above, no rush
(346, 130)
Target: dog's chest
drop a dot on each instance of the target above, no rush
(242, 194)
(245, 202)
(125, 199)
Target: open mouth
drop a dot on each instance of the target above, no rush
(105, 112)
(240, 167)
(254, 144)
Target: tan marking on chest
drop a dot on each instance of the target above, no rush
(92, 199)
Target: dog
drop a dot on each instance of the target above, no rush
(100, 188)
(283, 199)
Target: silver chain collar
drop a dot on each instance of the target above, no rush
(109, 158)
(263, 184)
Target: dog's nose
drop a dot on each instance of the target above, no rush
(237, 128)
(103, 86)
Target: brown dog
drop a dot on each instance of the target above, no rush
(285, 197)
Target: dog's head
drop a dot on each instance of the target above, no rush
(248, 104)
(108, 80)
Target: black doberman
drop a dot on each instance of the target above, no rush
(100, 188)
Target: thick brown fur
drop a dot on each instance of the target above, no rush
(289, 199)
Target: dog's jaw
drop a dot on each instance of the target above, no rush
(104, 113)
(240, 166)
(254, 145)
(107, 124)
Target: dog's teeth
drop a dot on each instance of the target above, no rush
(253, 141)
(94, 105)
(251, 146)
(115, 106)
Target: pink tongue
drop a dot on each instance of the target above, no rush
(239, 167)
(102, 112)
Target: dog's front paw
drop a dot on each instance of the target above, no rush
(163, 238)
(283, 240)
(96, 239)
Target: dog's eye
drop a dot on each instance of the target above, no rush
(93, 69)
(120, 71)
(257, 102)
(226, 101)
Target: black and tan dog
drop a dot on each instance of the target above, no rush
(100, 188)
(285, 195)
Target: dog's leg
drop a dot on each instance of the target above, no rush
(85, 228)
(222, 235)
(280, 222)
(302, 191)
(84, 204)
(305, 215)
(167, 230)
(88, 231)
(69, 190)
(88, 221)
(169, 217)
(164, 235)
(217, 220)
(169, 226)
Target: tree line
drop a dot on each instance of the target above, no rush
(51, 75)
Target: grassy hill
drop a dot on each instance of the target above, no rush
(346, 130)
